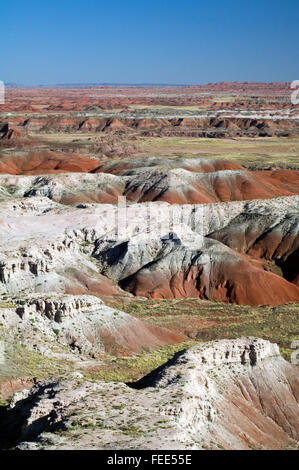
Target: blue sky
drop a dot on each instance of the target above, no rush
(141, 41)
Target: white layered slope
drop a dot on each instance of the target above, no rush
(84, 324)
(231, 394)
(210, 251)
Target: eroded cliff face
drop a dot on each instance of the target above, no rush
(181, 181)
(152, 250)
(210, 121)
(84, 324)
(231, 394)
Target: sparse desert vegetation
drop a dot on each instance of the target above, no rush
(205, 321)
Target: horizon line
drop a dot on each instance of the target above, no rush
(141, 84)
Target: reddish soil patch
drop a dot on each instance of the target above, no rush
(46, 163)
(241, 282)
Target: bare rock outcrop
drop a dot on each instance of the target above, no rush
(194, 266)
(230, 394)
(182, 181)
(265, 234)
(82, 323)
(153, 249)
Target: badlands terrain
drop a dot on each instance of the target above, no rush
(149, 257)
